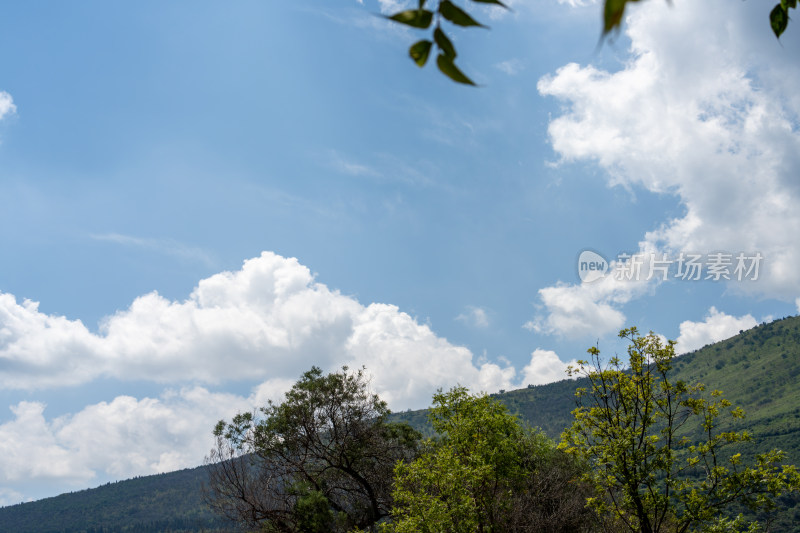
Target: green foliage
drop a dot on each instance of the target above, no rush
(452, 486)
(313, 510)
(656, 448)
(446, 11)
(321, 460)
(614, 10)
(484, 473)
(760, 372)
(779, 16)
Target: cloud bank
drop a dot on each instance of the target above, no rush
(704, 110)
(270, 319)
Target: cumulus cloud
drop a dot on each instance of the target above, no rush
(475, 317)
(120, 438)
(703, 111)
(545, 367)
(592, 309)
(716, 327)
(267, 322)
(7, 106)
(579, 310)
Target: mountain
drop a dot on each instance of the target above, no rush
(757, 370)
(164, 502)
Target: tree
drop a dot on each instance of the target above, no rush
(656, 449)
(445, 10)
(485, 473)
(320, 461)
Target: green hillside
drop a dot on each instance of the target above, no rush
(166, 502)
(757, 370)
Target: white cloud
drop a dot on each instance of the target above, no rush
(11, 497)
(475, 317)
(352, 168)
(545, 367)
(7, 106)
(578, 3)
(512, 67)
(393, 6)
(269, 321)
(797, 303)
(117, 439)
(704, 110)
(592, 309)
(30, 449)
(716, 327)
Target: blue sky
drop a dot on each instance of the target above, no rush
(200, 201)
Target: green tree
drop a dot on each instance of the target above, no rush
(320, 461)
(658, 455)
(485, 473)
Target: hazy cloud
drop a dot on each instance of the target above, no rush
(163, 246)
(512, 67)
(7, 106)
(475, 317)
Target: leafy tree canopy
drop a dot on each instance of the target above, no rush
(486, 473)
(660, 459)
(320, 461)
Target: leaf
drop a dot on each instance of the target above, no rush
(495, 2)
(419, 52)
(786, 4)
(778, 19)
(456, 15)
(612, 14)
(444, 44)
(416, 18)
(447, 67)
